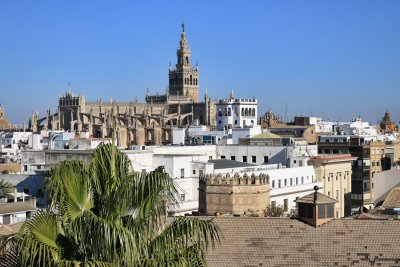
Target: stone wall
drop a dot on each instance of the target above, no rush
(234, 195)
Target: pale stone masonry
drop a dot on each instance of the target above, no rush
(240, 194)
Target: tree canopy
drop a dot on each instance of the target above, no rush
(106, 214)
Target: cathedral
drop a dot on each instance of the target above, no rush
(135, 123)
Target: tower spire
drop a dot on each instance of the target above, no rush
(183, 80)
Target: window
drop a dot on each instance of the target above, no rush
(377, 163)
(244, 158)
(302, 180)
(373, 164)
(273, 183)
(265, 159)
(194, 171)
(25, 168)
(182, 197)
(329, 193)
(182, 173)
(209, 157)
(337, 194)
(297, 180)
(285, 182)
(294, 161)
(279, 183)
(285, 204)
(233, 158)
(222, 157)
(291, 181)
(253, 159)
(235, 122)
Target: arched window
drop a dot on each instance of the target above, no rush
(229, 112)
(253, 113)
(190, 79)
(187, 60)
(225, 112)
(242, 111)
(246, 112)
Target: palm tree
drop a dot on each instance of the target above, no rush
(105, 214)
(5, 187)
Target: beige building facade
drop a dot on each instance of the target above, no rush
(334, 171)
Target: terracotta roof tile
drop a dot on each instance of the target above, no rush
(250, 241)
(393, 199)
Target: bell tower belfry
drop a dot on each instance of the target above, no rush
(183, 80)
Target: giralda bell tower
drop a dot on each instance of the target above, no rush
(183, 80)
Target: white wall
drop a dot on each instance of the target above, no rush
(305, 182)
(244, 132)
(384, 182)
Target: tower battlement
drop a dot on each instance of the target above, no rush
(237, 194)
(236, 179)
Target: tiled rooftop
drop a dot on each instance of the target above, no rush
(10, 229)
(250, 241)
(321, 199)
(393, 199)
(9, 208)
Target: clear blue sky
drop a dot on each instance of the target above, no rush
(335, 59)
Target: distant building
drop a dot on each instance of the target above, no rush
(236, 113)
(135, 123)
(335, 171)
(4, 123)
(370, 154)
(386, 124)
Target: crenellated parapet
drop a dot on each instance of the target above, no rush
(236, 179)
(233, 194)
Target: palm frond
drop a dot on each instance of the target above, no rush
(39, 240)
(184, 232)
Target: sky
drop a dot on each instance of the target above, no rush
(333, 59)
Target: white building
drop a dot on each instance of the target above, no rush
(16, 212)
(184, 163)
(236, 113)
